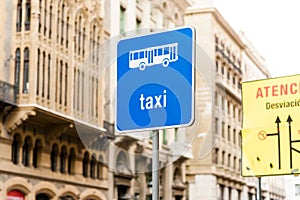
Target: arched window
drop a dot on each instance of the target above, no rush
(15, 151)
(45, 17)
(100, 167)
(38, 71)
(66, 84)
(26, 71)
(63, 158)
(54, 155)
(42, 196)
(48, 77)
(79, 35)
(85, 164)
(43, 73)
(27, 15)
(93, 167)
(15, 194)
(71, 161)
(19, 16)
(50, 21)
(26, 151)
(40, 9)
(37, 151)
(177, 176)
(66, 197)
(17, 69)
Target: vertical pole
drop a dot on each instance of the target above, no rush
(155, 165)
(258, 194)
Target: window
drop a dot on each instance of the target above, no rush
(223, 157)
(229, 193)
(37, 150)
(229, 160)
(176, 134)
(138, 23)
(83, 42)
(223, 69)
(45, 17)
(19, 16)
(17, 69)
(165, 140)
(239, 194)
(63, 158)
(216, 126)
(48, 77)
(216, 156)
(297, 190)
(40, 20)
(223, 129)
(166, 50)
(159, 51)
(142, 54)
(26, 151)
(228, 107)
(50, 22)
(93, 167)
(221, 192)
(71, 161)
(99, 167)
(85, 164)
(228, 133)
(15, 151)
(234, 162)
(66, 84)
(60, 81)
(234, 136)
(66, 197)
(67, 32)
(122, 19)
(26, 71)
(54, 155)
(62, 24)
(38, 71)
(216, 98)
(27, 15)
(43, 74)
(42, 196)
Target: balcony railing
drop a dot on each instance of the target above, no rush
(229, 60)
(7, 92)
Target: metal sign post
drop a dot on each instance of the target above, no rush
(155, 165)
(258, 194)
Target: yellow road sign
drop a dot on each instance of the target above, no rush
(271, 126)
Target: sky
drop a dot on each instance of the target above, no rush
(272, 26)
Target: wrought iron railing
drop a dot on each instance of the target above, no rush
(229, 60)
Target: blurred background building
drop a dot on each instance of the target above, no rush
(214, 171)
(57, 85)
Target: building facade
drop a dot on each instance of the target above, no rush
(215, 171)
(56, 91)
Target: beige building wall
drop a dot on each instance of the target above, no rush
(56, 132)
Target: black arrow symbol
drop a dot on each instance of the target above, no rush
(278, 132)
(289, 120)
(277, 121)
